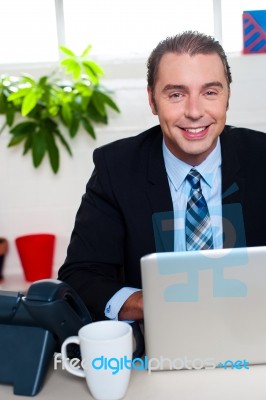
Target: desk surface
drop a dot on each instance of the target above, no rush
(14, 282)
(218, 384)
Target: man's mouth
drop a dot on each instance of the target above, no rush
(195, 133)
(195, 130)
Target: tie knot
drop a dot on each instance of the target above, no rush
(194, 178)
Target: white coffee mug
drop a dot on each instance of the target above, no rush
(106, 354)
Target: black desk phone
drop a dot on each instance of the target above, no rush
(33, 327)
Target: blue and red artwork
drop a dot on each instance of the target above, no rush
(254, 31)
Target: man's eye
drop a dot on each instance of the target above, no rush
(175, 95)
(210, 93)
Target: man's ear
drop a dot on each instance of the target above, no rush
(229, 94)
(152, 101)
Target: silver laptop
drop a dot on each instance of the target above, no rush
(204, 309)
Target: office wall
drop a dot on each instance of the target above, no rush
(33, 201)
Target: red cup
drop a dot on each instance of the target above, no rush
(36, 252)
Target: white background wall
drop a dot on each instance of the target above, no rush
(36, 200)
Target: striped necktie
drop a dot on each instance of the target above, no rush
(198, 224)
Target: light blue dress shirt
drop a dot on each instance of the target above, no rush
(211, 184)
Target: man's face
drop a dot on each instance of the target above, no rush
(190, 98)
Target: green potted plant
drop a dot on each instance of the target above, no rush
(36, 110)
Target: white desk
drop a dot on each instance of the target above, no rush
(218, 384)
(14, 283)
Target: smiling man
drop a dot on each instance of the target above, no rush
(191, 164)
(190, 98)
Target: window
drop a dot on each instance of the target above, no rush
(28, 31)
(117, 29)
(131, 28)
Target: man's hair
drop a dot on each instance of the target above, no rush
(189, 42)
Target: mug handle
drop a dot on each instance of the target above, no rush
(68, 364)
(140, 344)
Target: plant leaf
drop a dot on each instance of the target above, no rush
(73, 129)
(16, 140)
(38, 147)
(2, 127)
(98, 71)
(67, 51)
(3, 104)
(83, 89)
(27, 144)
(86, 51)
(98, 103)
(24, 128)
(43, 80)
(72, 67)
(63, 141)
(20, 93)
(29, 79)
(69, 64)
(85, 101)
(53, 111)
(66, 114)
(28, 103)
(53, 152)
(77, 71)
(88, 127)
(107, 100)
(94, 115)
(10, 116)
(90, 73)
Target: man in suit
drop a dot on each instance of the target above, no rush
(140, 184)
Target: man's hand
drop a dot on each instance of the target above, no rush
(132, 309)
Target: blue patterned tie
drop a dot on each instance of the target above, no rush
(198, 224)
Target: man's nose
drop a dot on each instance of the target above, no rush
(194, 108)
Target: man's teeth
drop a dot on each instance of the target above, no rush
(195, 130)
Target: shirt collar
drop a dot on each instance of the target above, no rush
(177, 170)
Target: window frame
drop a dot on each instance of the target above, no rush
(113, 67)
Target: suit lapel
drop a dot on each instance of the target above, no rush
(233, 190)
(159, 196)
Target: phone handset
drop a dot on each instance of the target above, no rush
(55, 306)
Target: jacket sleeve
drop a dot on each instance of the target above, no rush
(95, 255)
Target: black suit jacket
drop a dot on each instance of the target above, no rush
(128, 200)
